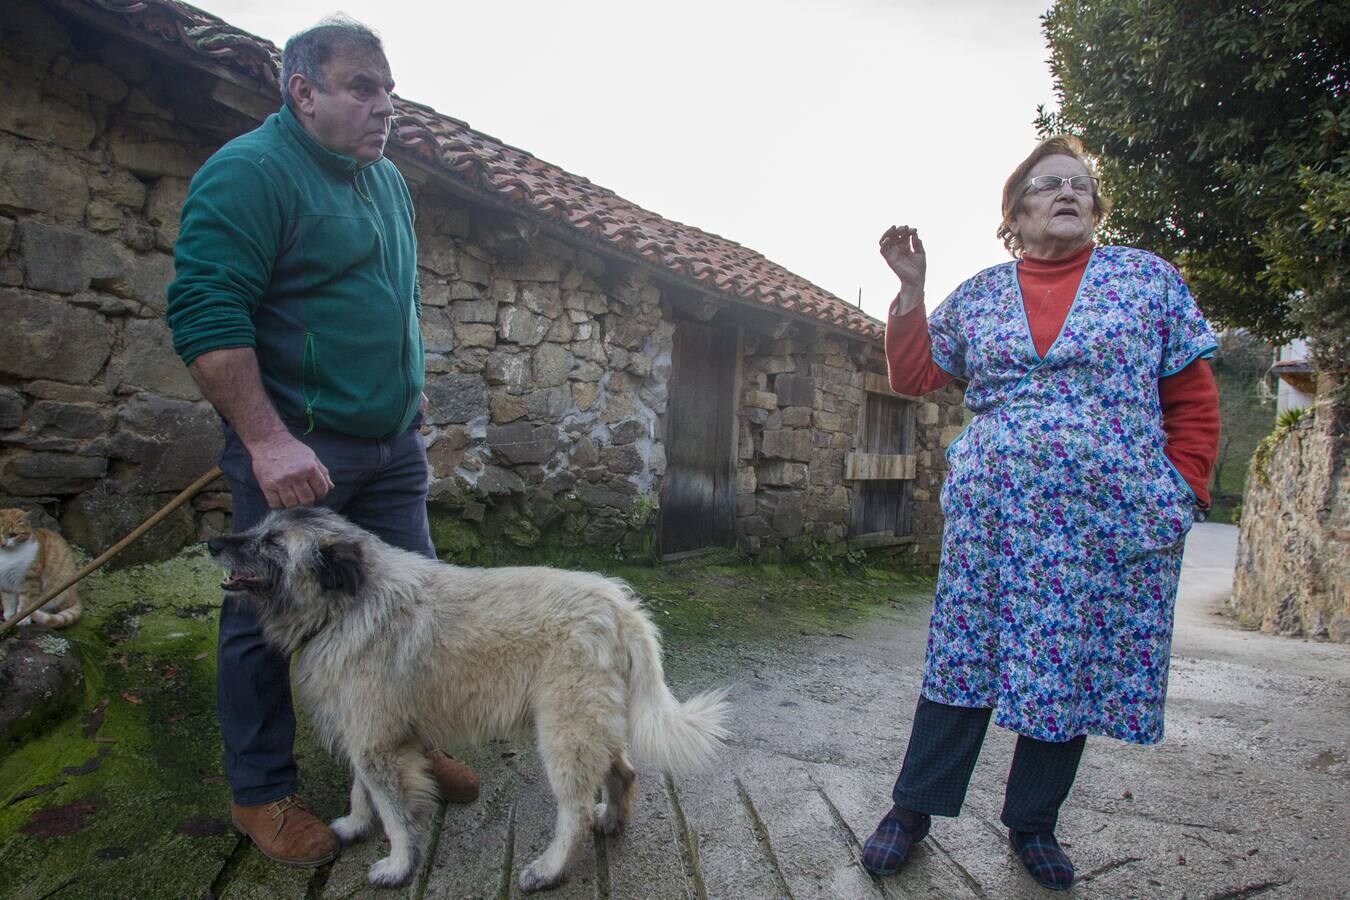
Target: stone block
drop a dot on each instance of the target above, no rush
(475, 336)
(550, 366)
(97, 519)
(791, 445)
(796, 416)
(656, 460)
(746, 480)
(172, 442)
(56, 341)
(11, 409)
(523, 442)
(544, 299)
(65, 261)
(618, 406)
(42, 474)
(147, 362)
(52, 183)
(551, 403)
(474, 270)
(949, 434)
(584, 394)
(65, 393)
(756, 416)
(927, 413)
(624, 459)
(77, 420)
(456, 399)
(617, 493)
(509, 367)
(520, 326)
(627, 432)
(438, 334)
(438, 255)
(759, 400)
(163, 206)
(434, 292)
(476, 311)
(561, 331)
(464, 290)
(782, 474)
(44, 116)
(443, 457)
(584, 453)
(827, 421)
(507, 407)
(147, 154)
(628, 333)
(44, 682)
(534, 267)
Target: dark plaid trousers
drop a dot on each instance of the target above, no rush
(944, 744)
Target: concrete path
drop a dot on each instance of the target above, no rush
(1248, 795)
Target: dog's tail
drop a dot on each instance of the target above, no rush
(662, 731)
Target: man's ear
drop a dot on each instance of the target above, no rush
(341, 568)
(301, 91)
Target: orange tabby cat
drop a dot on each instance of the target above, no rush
(32, 562)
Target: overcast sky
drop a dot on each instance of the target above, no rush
(800, 129)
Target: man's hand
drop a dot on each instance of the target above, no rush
(288, 472)
(903, 252)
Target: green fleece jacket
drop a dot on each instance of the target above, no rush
(310, 259)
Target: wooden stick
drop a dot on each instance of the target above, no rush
(186, 494)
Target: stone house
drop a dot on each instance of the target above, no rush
(596, 373)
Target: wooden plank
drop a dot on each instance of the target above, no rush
(880, 466)
(812, 852)
(647, 858)
(878, 383)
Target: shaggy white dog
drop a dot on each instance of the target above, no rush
(399, 653)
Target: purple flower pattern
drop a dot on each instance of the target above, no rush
(1065, 521)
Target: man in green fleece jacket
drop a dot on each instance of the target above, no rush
(295, 306)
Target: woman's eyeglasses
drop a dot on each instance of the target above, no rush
(1047, 184)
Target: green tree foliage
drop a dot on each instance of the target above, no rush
(1246, 411)
(1222, 129)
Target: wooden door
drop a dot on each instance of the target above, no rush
(883, 467)
(698, 493)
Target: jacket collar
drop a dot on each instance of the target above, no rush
(338, 164)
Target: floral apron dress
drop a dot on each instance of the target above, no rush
(1065, 521)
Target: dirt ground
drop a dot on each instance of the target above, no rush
(1248, 795)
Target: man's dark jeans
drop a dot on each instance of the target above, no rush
(380, 485)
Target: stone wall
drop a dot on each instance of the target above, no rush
(1293, 559)
(547, 364)
(99, 420)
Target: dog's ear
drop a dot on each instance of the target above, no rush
(340, 567)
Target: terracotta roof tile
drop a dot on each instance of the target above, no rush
(486, 165)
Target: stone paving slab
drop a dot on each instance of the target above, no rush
(1249, 795)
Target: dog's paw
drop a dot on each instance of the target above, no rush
(389, 872)
(348, 829)
(605, 819)
(536, 877)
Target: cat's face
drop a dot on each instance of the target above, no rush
(14, 527)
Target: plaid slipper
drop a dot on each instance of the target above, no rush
(1044, 859)
(888, 847)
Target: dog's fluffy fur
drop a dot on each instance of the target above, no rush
(400, 653)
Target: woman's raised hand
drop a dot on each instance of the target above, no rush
(903, 252)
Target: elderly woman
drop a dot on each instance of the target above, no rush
(1067, 502)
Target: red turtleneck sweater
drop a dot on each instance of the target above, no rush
(1190, 398)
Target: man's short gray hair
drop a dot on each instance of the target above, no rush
(306, 53)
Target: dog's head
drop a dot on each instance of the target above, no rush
(297, 566)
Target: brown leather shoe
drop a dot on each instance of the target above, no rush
(287, 832)
(457, 782)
